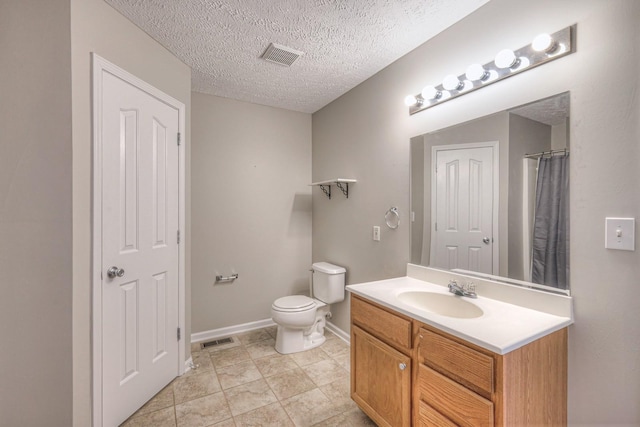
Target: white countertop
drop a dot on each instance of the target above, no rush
(503, 327)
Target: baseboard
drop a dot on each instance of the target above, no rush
(346, 337)
(230, 330)
(246, 327)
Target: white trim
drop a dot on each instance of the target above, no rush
(344, 336)
(230, 330)
(100, 65)
(527, 220)
(251, 326)
(96, 238)
(188, 365)
(496, 195)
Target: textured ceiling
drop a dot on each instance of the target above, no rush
(550, 111)
(345, 42)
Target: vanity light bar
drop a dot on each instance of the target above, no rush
(507, 63)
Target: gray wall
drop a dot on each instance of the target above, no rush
(251, 204)
(97, 27)
(365, 135)
(560, 135)
(418, 232)
(525, 136)
(35, 213)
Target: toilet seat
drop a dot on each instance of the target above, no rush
(293, 303)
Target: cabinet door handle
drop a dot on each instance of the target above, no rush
(402, 366)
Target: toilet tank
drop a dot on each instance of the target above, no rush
(328, 282)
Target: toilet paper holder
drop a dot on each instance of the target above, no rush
(222, 278)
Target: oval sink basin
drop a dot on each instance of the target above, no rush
(442, 304)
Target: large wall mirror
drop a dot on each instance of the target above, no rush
(490, 197)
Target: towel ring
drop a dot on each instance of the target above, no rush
(392, 218)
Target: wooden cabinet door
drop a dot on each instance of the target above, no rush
(380, 380)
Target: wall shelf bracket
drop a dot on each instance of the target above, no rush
(341, 183)
(326, 189)
(344, 188)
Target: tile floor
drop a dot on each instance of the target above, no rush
(247, 383)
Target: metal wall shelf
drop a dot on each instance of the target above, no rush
(341, 183)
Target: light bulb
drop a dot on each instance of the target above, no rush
(410, 100)
(430, 92)
(506, 59)
(452, 82)
(476, 72)
(543, 43)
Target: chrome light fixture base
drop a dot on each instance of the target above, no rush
(527, 58)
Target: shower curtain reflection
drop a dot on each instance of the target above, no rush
(550, 243)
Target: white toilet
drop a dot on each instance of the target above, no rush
(301, 319)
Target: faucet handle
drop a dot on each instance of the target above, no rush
(472, 287)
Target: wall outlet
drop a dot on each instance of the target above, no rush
(376, 233)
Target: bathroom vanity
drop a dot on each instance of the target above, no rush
(496, 364)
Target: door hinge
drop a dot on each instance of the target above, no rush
(179, 138)
(436, 226)
(178, 236)
(179, 334)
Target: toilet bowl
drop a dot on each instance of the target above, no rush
(301, 320)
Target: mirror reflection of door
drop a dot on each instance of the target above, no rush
(463, 213)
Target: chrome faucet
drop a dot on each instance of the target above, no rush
(463, 290)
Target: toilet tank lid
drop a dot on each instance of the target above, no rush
(327, 268)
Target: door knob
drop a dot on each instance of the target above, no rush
(115, 271)
(486, 240)
(402, 366)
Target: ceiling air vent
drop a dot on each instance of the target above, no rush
(282, 55)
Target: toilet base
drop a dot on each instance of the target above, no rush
(293, 340)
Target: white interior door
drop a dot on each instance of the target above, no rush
(140, 211)
(463, 207)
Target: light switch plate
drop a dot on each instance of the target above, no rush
(620, 234)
